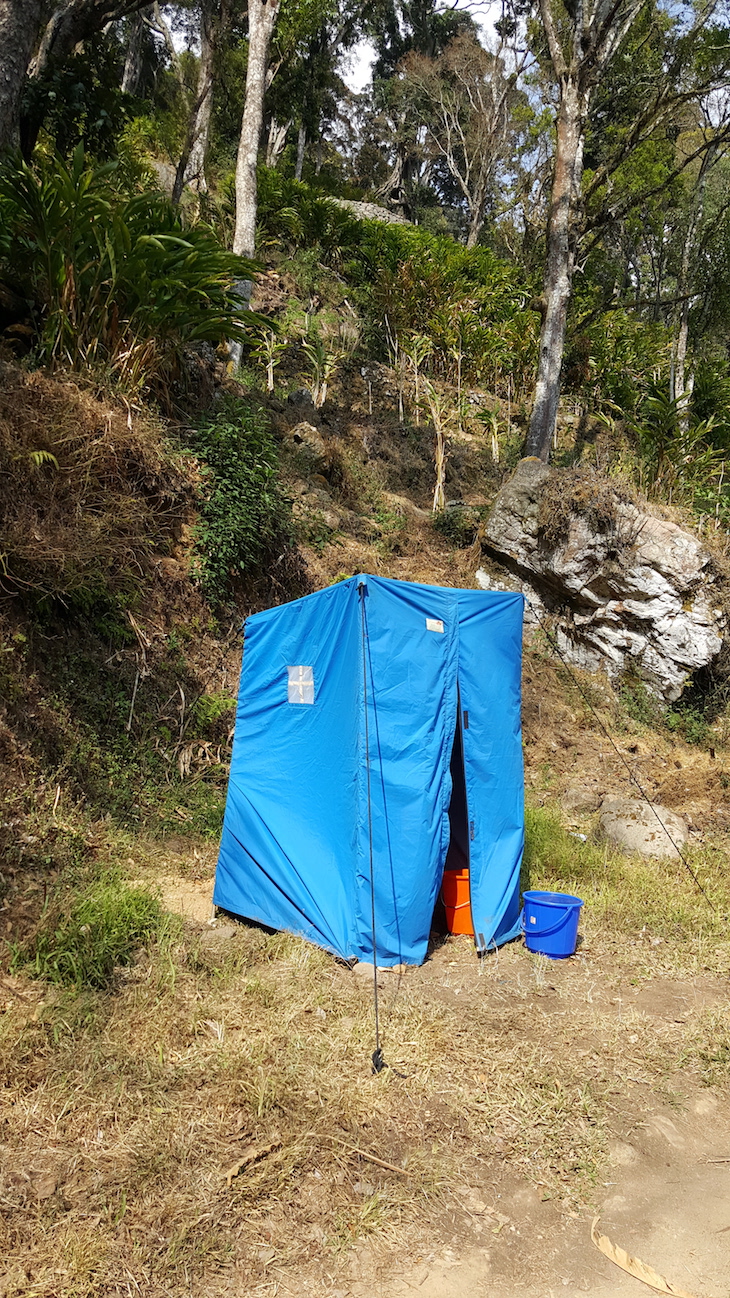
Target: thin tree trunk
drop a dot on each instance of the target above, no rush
(191, 166)
(681, 389)
(562, 238)
(20, 27)
(261, 20)
(301, 146)
(278, 132)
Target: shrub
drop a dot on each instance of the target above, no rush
(80, 942)
(459, 524)
(113, 280)
(243, 514)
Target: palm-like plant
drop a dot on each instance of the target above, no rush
(324, 361)
(270, 350)
(114, 280)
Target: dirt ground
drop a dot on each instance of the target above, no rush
(664, 1192)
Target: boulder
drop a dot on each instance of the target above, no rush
(307, 440)
(371, 211)
(628, 590)
(630, 823)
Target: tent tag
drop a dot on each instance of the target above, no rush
(434, 624)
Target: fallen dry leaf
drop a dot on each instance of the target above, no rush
(251, 1154)
(634, 1265)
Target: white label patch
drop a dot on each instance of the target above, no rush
(434, 624)
(301, 684)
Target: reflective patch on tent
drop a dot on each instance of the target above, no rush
(301, 684)
(434, 624)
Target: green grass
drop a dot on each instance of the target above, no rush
(242, 512)
(632, 894)
(82, 939)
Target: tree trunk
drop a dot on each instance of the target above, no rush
(562, 236)
(278, 132)
(680, 389)
(301, 146)
(476, 220)
(133, 61)
(191, 166)
(261, 19)
(20, 27)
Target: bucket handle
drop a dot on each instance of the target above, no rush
(459, 905)
(544, 932)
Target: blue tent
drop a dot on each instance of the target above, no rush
(377, 741)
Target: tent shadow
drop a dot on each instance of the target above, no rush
(246, 923)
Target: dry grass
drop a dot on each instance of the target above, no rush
(122, 1112)
(88, 491)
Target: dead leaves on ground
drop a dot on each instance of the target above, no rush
(634, 1265)
(251, 1154)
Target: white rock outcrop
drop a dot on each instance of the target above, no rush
(634, 592)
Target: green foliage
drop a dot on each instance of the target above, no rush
(82, 939)
(459, 524)
(689, 717)
(80, 100)
(113, 280)
(613, 361)
(637, 701)
(680, 461)
(243, 514)
(468, 309)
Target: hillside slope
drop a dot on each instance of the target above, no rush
(188, 1105)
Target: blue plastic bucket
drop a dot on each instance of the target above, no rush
(550, 923)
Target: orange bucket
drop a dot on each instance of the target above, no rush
(455, 893)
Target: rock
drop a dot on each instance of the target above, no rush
(581, 801)
(165, 173)
(307, 439)
(629, 589)
(370, 211)
(313, 501)
(301, 397)
(220, 933)
(631, 824)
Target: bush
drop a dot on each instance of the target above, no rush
(459, 524)
(80, 943)
(243, 514)
(113, 280)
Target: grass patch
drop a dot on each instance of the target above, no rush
(631, 894)
(81, 940)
